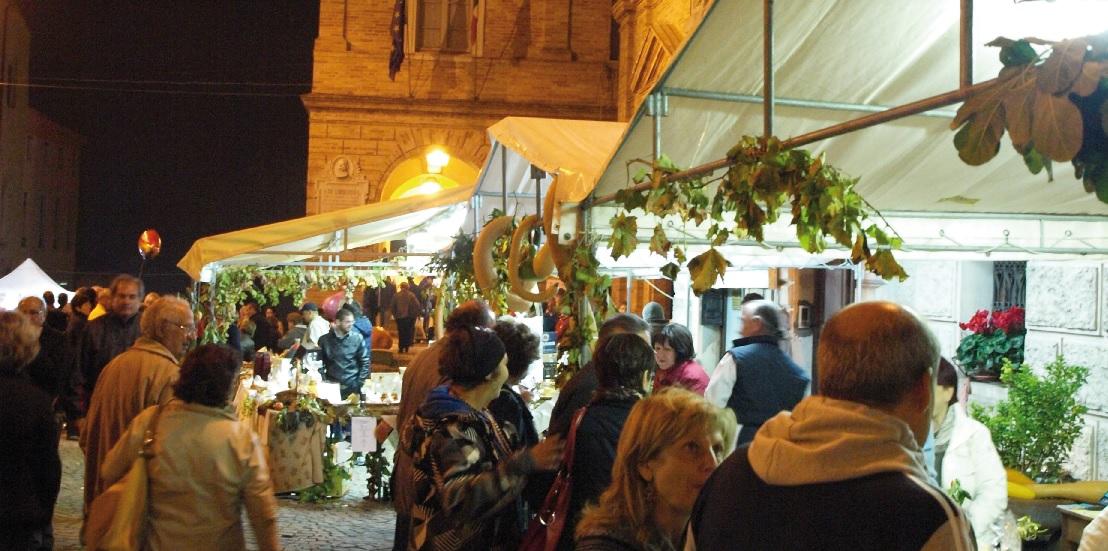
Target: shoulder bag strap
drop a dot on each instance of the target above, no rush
(148, 437)
(571, 439)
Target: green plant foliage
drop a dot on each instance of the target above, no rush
(761, 181)
(455, 264)
(585, 302)
(216, 303)
(1035, 427)
(1052, 104)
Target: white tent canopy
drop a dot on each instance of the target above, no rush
(839, 60)
(573, 151)
(27, 280)
(428, 221)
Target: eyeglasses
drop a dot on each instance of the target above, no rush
(187, 328)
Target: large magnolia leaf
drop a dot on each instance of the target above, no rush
(1056, 129)
(979, 141)
(1089, 78)
(1057, 74)
(1019, 102)
(705, 269)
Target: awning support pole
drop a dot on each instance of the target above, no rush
(965, 45)
(767, 68)
(503, 177)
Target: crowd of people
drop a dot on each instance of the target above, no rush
(663, 456)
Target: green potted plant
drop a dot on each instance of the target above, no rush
(1034, 429)
(995, 337)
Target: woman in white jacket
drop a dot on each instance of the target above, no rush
(964, 452)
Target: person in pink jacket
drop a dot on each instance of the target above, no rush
(677, 365)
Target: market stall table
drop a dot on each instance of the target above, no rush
(1074, 520)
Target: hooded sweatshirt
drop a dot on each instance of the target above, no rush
(467, 482)
(831, 474)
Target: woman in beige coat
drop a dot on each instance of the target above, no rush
(206, 466)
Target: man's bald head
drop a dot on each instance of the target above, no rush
(874, 353)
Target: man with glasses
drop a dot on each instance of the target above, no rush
(140, 377)
(47, 370)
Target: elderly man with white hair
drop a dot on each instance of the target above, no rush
(140, 377)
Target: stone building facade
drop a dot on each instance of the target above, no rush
(1067, 313)
(39, 162)
(538, 58)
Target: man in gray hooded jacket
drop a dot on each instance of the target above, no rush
(844, 469)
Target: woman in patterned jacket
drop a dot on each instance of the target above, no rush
(467, 480)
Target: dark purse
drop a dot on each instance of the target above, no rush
(544, 531)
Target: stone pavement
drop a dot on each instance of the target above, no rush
(350, 523)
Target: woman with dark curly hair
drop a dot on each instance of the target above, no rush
(677, 365)
(467, 475)
(509, 407)
(32, 471)
(206, 465)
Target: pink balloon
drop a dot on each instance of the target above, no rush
(332, 304)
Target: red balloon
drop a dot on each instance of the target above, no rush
(332, 304)
(149, 243)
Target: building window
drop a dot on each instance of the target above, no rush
(446, 26)
(1009, 285)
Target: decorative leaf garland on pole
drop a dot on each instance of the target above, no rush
(1053, 106)
(761, 179)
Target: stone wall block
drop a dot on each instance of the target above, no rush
(343, 131)
(987, 394)
(1080, 463)
(1062, 296)
(1092, 354)
(1040, 349)
(359, 147)
(1104, 296)
(1101, 464)
(933, 288)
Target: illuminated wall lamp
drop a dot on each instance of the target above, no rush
(436, 160)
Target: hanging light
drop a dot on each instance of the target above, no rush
(436, 160)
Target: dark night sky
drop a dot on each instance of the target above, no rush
(189, 160)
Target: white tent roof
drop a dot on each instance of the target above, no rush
(438, 215)
(837, 60)
(25, 281)
(573, 151)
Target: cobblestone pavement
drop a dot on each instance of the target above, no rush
(350, 523)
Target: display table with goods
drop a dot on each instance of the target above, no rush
(293, 411)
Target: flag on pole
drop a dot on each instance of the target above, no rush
(399, 20)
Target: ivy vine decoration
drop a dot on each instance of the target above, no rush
(1052, 104)
(761, 181)
(232, 285)
(586, 304)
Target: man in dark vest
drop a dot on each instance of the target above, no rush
(755, 378)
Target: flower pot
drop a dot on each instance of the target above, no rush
(1043, 511)
(985, 377)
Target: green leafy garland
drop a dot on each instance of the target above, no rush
(586, 304)
(455, 264)
(761, 179)
(233, 285)
(1054, 107)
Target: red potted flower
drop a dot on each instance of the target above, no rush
(994, 336)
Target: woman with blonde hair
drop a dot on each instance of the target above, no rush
(670, 445)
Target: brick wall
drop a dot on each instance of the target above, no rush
(529, 64)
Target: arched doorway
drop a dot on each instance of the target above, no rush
(427, 172)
